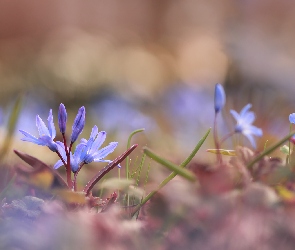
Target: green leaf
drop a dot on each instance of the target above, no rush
(270, 149)
(12, 121)
(222, 151)
(172, 175)
(178, 170)
(128, 146)
(285, 149)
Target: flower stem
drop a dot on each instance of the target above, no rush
(172, 175)
(75, 177)
(217, 144)
(226, 137)
(69, 180)
(68, 164)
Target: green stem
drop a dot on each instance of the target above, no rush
(172, 175)
(128, 146)
(128, 158)
(178, 170)
(269, 150)
(288, 159)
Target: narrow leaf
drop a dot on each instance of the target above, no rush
(270, 149)
(128, 146)
(107, 169)
(172, 175)
(222, 151)
(285, 149)
(35, 163)
(12, 121)
(178, 170)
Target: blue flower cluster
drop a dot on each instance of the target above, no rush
(86, 151)
(244, 119)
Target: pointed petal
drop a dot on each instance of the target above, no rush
(235, 114)
(58, 164)
(219, 97)
(94, 132)
(79, 152)
(102, 153)
(292, 118)
(248, 118)
(43, 130)
(83, 140)
(99, 160)
(61, 150)
(51, 126)
(251, 139)
(78, 125)
(98, 142)
(30, 138)
(62, 118)
(245, 109)
(256, 131)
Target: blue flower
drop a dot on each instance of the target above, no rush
(78, 125)
(46, 135)
(87, 151)
(292, 118)
(244, 124)
(62, 118)
(219, 97)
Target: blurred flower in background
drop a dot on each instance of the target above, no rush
(72, 50)
(189, 112)
(121, 117)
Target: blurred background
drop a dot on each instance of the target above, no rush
(150, 64)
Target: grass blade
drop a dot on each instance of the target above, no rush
(172, 175)
(12, 121)
(178, 170)
(269, 150)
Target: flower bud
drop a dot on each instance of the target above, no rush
(292, 118)
(62, 118)
(219, 98)
(78, 125)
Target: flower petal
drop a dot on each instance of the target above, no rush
(102, 153)
(49, 142)
(292, 118)
(251, 139)
(98, 142)
(245, 109)
(43, 130)
(78, 124)
(235, 114)
(51, 126)
(219, 97)
(248, 118)
(62, 118)
(30, 138)
(58, 164)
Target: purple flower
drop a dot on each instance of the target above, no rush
(78, 125)
(244, 124)
(88, 151)
(46, 135)
(62, 118)
(292, 118)
(219, 98)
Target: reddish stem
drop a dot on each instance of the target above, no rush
(217, 145)
(68, 164)
(75, 177)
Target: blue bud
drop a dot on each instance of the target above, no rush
(292, 118)
(62, 118)
(78, 125)
(219, 98)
